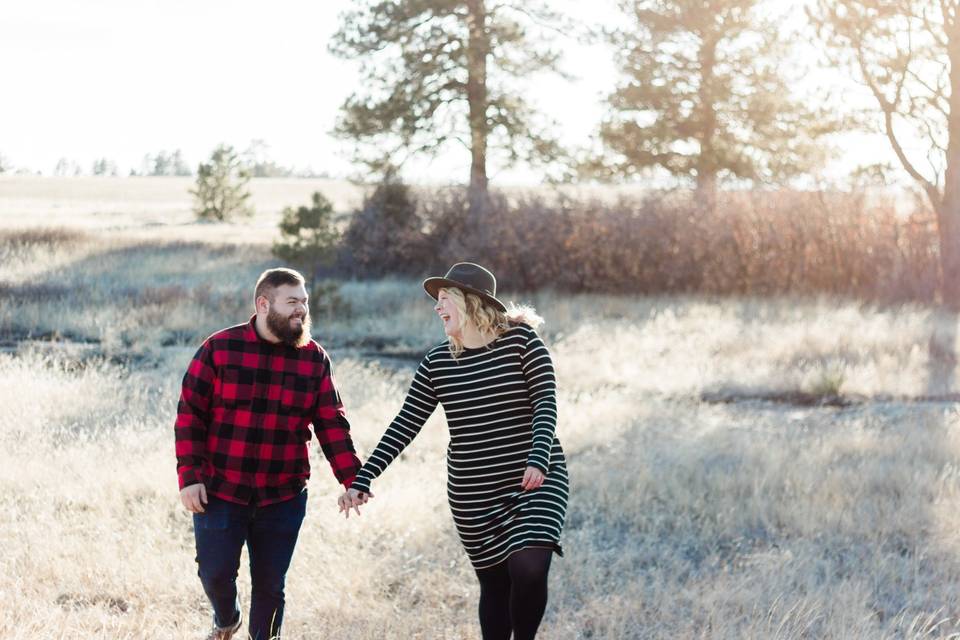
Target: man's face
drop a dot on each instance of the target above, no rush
(288, 316)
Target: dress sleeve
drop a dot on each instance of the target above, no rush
(420, 402)
(542, 385)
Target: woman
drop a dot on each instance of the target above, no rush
(506, 474)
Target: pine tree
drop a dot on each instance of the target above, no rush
(221, 190)
(439, 72)
(704, 97)
(309, 240)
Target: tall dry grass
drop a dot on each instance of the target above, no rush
(687, 520)
(703, 505)
(131, 299)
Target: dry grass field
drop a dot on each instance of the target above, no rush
(750, 468)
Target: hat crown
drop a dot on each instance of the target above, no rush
(470, 278)
(474, 276)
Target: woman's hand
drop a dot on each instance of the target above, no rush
(352, 499)
(532, 479)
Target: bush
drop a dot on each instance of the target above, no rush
(386, 235)
(221, 189)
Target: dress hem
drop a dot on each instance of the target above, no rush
(533, 544)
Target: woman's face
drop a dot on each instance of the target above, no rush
(449, 315)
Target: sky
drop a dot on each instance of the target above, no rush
(118, 79)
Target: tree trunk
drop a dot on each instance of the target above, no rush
(948, 211)
(478, 48)
(706, 190)
(706, 194)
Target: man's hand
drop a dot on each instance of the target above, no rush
(352, 499)
(193, 497)
(532, 479)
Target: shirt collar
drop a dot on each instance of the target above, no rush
(250, 332)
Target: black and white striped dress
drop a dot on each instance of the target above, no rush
(500, 403)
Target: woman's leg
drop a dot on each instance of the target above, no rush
(495, 602)
(528, 570)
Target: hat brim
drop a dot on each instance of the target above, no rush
(433, 285)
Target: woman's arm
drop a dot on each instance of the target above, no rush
(420, 402)
(542, 385)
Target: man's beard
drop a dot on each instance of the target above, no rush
(280, 326)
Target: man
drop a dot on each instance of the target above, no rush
(242, 429)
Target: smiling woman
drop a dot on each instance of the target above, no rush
(466, 318)
(507, 482)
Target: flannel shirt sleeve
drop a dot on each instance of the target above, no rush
(193, 415)
(417, 407)
(542, 385)
(333, 430)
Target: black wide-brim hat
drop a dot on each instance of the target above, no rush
(470, 278)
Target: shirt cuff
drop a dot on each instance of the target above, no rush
(360, 484)
(537, 462)
(188, 476)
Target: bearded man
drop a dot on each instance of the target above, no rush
(248, 398)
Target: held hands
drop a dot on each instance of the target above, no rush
(193, 497)
(532, 479)
(352, 499)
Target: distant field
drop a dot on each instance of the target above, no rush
(154, 207)
(741, 468)
(161, 207)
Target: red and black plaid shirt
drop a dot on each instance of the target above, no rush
(244, 414)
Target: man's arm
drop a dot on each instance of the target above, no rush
(332, 429)
(193, 414)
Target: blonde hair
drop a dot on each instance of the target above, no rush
(487, 318)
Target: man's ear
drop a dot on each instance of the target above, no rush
(262, 304)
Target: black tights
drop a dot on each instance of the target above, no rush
(513, 595)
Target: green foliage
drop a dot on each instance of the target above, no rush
(221, 190)
(308, 235)
(437, 72)
(309, 241)
(706, 96)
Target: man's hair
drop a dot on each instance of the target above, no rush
(270, 279)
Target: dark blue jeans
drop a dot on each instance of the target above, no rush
(270, 534)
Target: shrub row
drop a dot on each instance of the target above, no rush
(756, 243)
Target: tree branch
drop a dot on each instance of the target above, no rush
(889, 108)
